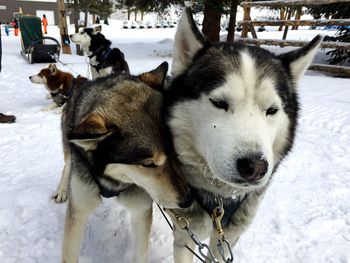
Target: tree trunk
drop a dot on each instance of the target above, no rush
(211, 21)
(86, 15)
(93, 18)
(232, 22)
(76, 13)
(135, 15)
(142, 12)
(129, 13)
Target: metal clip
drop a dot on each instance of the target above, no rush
(181, 221)
(217, 216)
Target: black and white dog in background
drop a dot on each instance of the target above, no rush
(232, 110)
(104, 60)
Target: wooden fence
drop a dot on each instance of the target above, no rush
(248, 25)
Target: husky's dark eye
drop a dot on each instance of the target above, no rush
(220, 104)
(271, 111)
(149, 165)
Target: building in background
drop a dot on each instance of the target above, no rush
(29, 7)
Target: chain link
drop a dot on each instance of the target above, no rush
(202, 247)
(221, 249)
(183, 224)
(217, 216)
(207, 255)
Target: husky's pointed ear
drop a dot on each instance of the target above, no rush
(92, 130)
(188, 40)
(97, 29)
(155, 78)
(52, 68)
(297, 61)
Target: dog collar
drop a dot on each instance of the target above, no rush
(209, 201)
(98, 51)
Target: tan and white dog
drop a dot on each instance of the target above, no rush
(116, 146)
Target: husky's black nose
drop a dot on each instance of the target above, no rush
(30, 77)
(187, 203)
(252, 168)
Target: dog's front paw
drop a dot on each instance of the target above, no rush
(59, 110)
(49, 107)
(60, 196)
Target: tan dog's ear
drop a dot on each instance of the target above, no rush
(52, 68)
(155, 78)
(92, 130)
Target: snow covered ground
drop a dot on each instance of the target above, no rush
(305, 216)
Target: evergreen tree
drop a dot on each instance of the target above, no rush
(335, 11)
(102, 8)
(339, 56)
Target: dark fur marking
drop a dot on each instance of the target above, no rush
(207, 72)
(98, 47)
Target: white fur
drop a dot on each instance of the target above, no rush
(220, 137)
(84, 41)
(49, 107)
(185, 46)
(61, 194)
(146, 179)
(209, 140)
(299, 66)
(37, 79)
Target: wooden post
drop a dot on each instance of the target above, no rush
(289, 12)
(63, 27)
(246, 16)
(279, 3)
(282, 17)
(297, 17)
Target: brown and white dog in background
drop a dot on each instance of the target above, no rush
(58, 83)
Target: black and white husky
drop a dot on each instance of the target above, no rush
(104, 60)
(232, 110)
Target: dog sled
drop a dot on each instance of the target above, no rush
(34, 46)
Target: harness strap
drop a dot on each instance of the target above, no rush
(104, 191)
(103, 57)
(98, 50)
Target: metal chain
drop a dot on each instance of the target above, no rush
(208, 257)
(56, 58)
(217, 216)
(183, 224)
